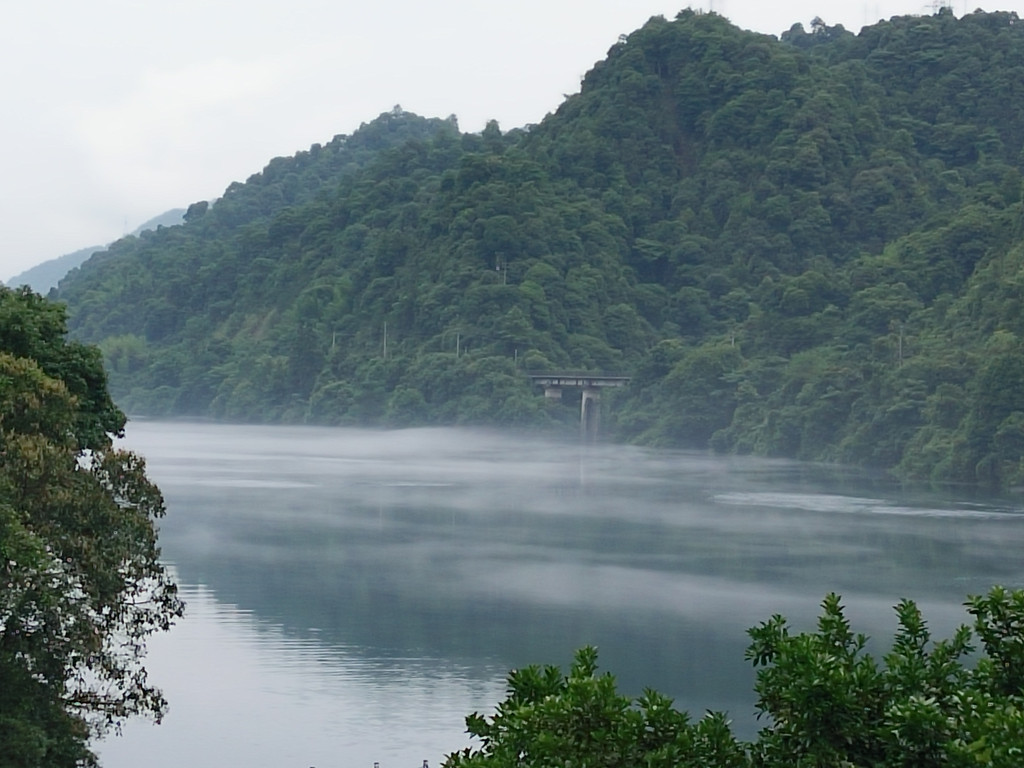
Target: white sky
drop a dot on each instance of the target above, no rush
(115, 111)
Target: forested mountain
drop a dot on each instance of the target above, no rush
(42, 277)
(808, 246)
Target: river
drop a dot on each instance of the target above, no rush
(353, 594)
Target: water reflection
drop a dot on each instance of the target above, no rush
(249, 693)
(377, 565)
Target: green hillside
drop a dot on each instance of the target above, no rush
(805, 247)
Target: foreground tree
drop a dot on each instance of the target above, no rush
(581, 720)
(826, 701)
(81, 585)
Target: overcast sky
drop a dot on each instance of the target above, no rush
(118, 110)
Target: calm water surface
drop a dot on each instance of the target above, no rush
(352, 595)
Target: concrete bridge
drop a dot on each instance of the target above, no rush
(590, 385)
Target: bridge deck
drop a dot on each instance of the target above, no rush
(584, 380)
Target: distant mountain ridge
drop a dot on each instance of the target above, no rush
(807, 247)
(42, 277)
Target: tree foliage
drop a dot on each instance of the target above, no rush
(825, 700)
(81, 585)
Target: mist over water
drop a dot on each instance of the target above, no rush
(354, 594)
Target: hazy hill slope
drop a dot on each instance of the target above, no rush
(807, 247)
(42, 277)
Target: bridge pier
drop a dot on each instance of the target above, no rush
(590, 414)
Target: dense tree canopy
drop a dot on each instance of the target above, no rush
(81, 587)
(804, 247)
